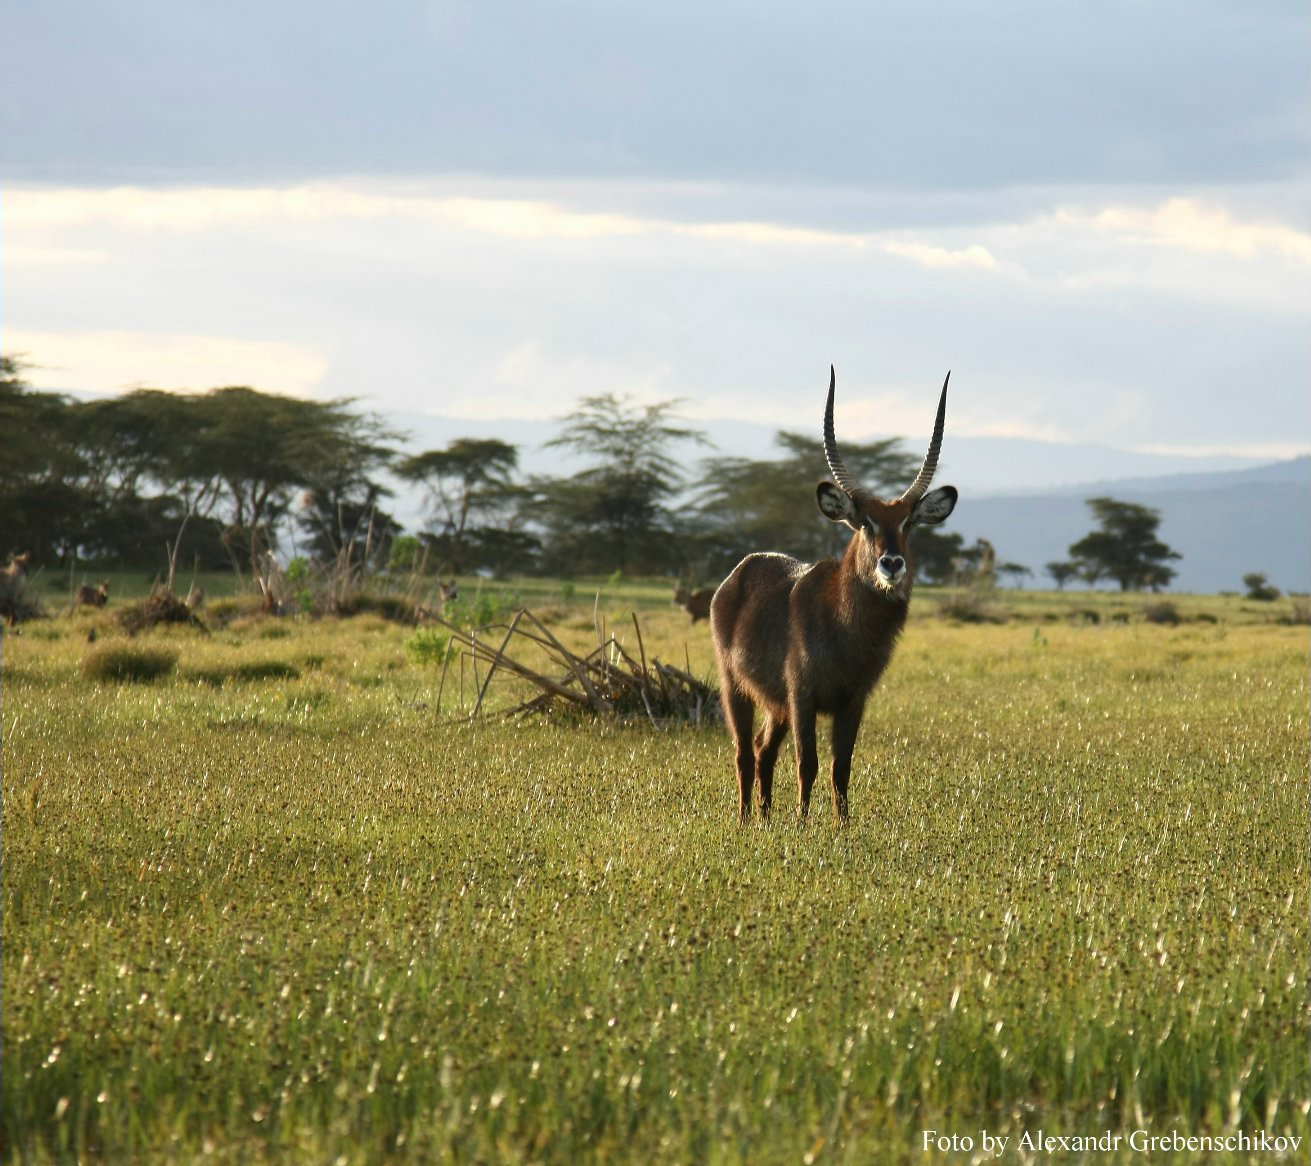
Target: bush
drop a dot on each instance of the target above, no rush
(396, 608)
(1258, 588)
(128, 663)
(486, 609)
(1164, 612)
(430, 646)
(972, 605)
(1299, 611)
(266, 670)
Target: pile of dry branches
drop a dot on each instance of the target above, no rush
(160, 606)
(608, 681)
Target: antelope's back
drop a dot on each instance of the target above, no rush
(749, 617)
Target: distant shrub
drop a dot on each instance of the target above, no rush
(971, 605)
(224, 610)
(485, 609)
(429, 646)
(248, 670)
(1163, 612)
(1299, 611)
(396, 608)
(128, 663)
(265, 628)
(266, 670)
(1258, 588)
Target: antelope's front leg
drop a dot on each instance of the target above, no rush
(846, 727)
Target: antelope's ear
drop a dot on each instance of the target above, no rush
(934, 507)
(835, 505)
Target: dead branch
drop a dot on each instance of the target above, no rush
(607, 681)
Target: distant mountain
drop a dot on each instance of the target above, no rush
(1013, 465)
(1225, 525)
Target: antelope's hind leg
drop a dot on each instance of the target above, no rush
(802, 718)
(768, 739)
(740, 712)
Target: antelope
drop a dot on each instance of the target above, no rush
(798, 639)
(447, 593)
(12, 579)
(695, 603)
(88, 596)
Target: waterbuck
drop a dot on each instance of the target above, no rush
(695, 603)
(13, 580)
(88, 596)
(799, 639)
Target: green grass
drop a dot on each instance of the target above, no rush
(279, 907)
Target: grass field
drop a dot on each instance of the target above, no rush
(277, 906)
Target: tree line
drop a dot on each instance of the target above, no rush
(222, 478)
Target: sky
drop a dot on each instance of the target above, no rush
(1098, 216)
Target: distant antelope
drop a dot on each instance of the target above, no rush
(12, 578)
(88, 596)
(447, 593)
(695, 603)
(800, 639)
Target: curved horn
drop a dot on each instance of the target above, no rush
(925, 476)
(853, 488)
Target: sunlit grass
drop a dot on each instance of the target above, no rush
(277, 906)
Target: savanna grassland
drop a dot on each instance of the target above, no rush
(274, 905)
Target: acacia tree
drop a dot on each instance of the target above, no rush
(472, 498)
(1062, 572)
(45, 507)
(261, 448)
(123, 476)
(341, 507)
(1125, 547)
(616, 513)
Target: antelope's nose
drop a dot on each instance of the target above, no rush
(892, 565)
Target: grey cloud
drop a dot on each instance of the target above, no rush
(955, 95)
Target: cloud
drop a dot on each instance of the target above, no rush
(110, 361)
(771, 234)
(930, 256)
(498, 299)
(519, 219)
(21, 257)
(201, 209)
(1193, 225)
(533, 381)
(1262, 450)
